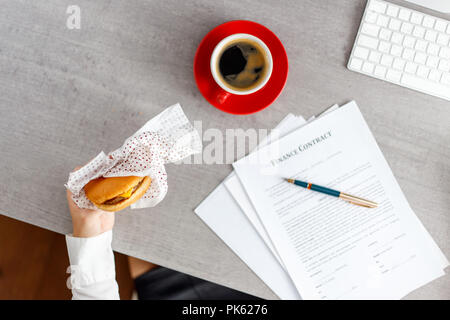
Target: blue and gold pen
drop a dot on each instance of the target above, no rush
(344, 196)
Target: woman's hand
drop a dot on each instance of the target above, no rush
(89, 223)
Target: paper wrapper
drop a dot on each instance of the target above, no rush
(168, 137)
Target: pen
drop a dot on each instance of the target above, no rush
(344, 196)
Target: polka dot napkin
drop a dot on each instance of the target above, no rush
(168, 137)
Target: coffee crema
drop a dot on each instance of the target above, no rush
(242, 64)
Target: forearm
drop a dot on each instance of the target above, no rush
(92, 267)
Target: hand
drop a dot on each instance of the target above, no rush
(89, 223)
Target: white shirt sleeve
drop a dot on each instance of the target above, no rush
(92, 268)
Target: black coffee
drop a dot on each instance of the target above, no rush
(242, 64)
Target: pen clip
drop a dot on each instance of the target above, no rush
(357, 201)
(360, 204)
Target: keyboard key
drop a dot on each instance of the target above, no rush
(421, 45)
(361, 52)
(377, 6)
(426, 85)
(443, 39)
(406, 28)
(404, 14)
(416, 18)
(399, 64)
(440, 25)
(411, 67)
(382, 21)
(422, 71)
(408, 54)
(375, 56)
(432, 62)
(444, 65)
(433, 49)
(371, 17)
(384, 46)
(397, 38)
(396, 50)
(356, 64)
(368, 41)
(418, 32)
(435, 75)
(428, 22)
(446, 79)
(409, 42)
(420, 57)
(368, 67)
(380, 71)
(370, 29)
(393, 75)
(392, 11)
(385, 34)
(395, 24)
(386, 60)
(444, 53)
(431, 35)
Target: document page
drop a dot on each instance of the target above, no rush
(233, 184)
(333, 249)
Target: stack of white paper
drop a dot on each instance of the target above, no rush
(309, 245)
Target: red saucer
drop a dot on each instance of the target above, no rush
(240, 104)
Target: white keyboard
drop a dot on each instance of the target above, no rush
(405, 47)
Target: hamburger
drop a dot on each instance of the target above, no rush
(116, 193)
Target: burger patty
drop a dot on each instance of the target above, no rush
(116, 200)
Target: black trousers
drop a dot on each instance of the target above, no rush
(165, 284)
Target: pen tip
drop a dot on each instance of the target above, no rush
(289, 180)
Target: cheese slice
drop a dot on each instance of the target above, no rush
(126, 194)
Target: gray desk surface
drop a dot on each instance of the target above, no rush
(67, 94)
